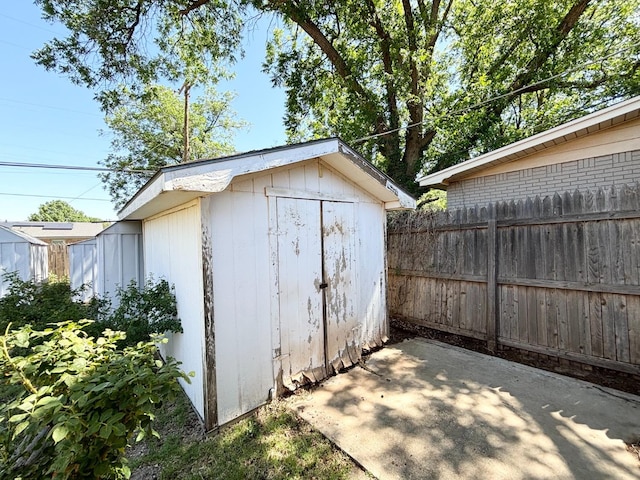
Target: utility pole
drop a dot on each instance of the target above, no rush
(185, 128)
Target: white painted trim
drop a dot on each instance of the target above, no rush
(192, 203)
(599, 120)
(308, 195)
(396, 206)
(205, 177)
(276, 343)
(143, 196)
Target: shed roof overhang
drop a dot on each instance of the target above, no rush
(178, 184)
(594, 122)
(16, 235)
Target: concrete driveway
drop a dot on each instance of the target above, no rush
(423, 409)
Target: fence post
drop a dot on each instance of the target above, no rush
(492, 286)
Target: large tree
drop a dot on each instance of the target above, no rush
(148, 132)
(414, 84)
(60, 211)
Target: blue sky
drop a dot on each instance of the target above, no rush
(47, 120)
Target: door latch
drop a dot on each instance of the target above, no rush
(324, 285)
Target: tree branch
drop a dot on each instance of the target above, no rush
(562, 30)
(193, 6)
(131, 30)
(387, 62)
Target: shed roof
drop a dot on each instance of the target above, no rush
(178, 184)
(9, 235)
(581, 127)
(122, 227)
(67, 230)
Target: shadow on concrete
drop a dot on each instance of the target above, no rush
(423, 409)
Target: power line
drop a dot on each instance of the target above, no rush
(74, 167)
(30, 24)
(497, 97)
(15, 45)
(40, 105)
(79, 197)
(53, 196)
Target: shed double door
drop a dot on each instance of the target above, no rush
(317, 283)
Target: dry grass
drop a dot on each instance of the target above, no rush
(271, 444)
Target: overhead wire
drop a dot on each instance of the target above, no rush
(497, 97)
(53, 196)
(73, 167)
(40, 105)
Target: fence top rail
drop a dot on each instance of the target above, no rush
(615, 203)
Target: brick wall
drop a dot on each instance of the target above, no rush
(586, 174)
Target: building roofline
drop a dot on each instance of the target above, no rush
(203, 177)
(593, 122)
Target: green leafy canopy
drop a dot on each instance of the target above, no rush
(416, 85)
(60, 211)
(148, 133)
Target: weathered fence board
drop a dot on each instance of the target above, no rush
(58, 259)
(556, 275)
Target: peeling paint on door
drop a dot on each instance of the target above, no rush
(300, 301)
(339, 249)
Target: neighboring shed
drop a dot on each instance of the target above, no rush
(83, 267)
(58, 232)
(58, 235)
(278, 262)
(23, 254)
(110, 260)
(598, 150)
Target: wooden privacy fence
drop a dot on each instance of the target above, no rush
(558, 276)
(59, 259)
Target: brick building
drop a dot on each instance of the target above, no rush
(598, 150)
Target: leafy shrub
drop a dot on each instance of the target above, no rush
(141, 313)
(81, 401)
(42, 303)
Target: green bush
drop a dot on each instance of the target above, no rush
(41, 303)
(140, 313)
(82, 399)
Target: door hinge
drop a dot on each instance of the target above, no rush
(324, 285)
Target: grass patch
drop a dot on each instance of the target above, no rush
(271, 444)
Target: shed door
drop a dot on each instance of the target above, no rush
(316, 286)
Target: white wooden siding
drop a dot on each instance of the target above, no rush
(241, 299)
(354, 237)
(343, 321)
(300, 312)
(83, 267)
(173, 251)
(17, 254)
(119, 258)
(371, 248)
(39, 262)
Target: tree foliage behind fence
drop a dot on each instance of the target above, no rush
(556, 275)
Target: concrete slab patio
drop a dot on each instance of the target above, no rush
(423, 409)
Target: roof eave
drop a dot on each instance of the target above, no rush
(602, 119)
(192, 180)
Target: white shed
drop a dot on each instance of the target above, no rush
(278, 261)
(110, 260)
(23, 254)
(83, 267)
(119, 250)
